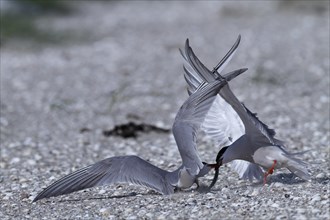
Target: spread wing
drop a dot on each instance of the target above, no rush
(123, 169)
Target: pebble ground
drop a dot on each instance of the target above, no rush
(121, 63)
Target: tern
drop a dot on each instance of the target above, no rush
(133, 169)
(244, 139)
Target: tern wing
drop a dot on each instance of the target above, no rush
(261, 134)
(189, 119)
(123, 169)
(253, 126)
(222, 123)
(227, 58)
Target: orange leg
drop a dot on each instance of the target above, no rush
(270, 171)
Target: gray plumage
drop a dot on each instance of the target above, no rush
(222, 123)
(133, 169)
(252, 144)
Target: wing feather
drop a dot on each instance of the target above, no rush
(124, 169)
(188, 121)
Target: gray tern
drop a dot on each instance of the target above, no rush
(244, 139)
(133, 169)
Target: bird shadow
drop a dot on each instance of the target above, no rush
(284, 178)
(291, 179)
(322, 180)
(128, 195)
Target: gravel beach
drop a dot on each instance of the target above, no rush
(120, 63)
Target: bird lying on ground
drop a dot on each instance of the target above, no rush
(133, 169)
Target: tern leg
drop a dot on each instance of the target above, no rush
(270, 171)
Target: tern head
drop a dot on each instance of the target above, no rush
(219, 163)
(220, 155)
(216, 166)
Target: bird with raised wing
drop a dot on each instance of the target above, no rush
(133, 169)
(244, 140)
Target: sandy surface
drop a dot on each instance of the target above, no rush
(125, 66)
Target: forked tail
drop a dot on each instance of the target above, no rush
(299, 168)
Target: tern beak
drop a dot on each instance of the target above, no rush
(213, 165)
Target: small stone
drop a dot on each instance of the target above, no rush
(105, 211)
(246, 192)
(316, 198)
(31, 162)
(24, 195)
(281, 217)
(24, 185)
(300, 210)
(3, 165)
(191, 200)
(37, 157)
(231, 179)
(195, 209)
(210, 195)
(161, 217)
(277, 185)
(22, 180)
(300, 217)
(128, 210)
(102, 191)
(160, 124)
(255, 192)
(320, 175)
(314, 210)
(235, 204)
(15, 160)
(295, 198)
(275, 205)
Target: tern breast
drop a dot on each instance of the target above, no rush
(265, 156)
(186, 180)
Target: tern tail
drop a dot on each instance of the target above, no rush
(299, 168)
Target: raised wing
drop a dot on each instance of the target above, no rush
(224, 122)
(260, 132)
(123, 169)
(189, 119)
(197, 72)
(227, 58)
